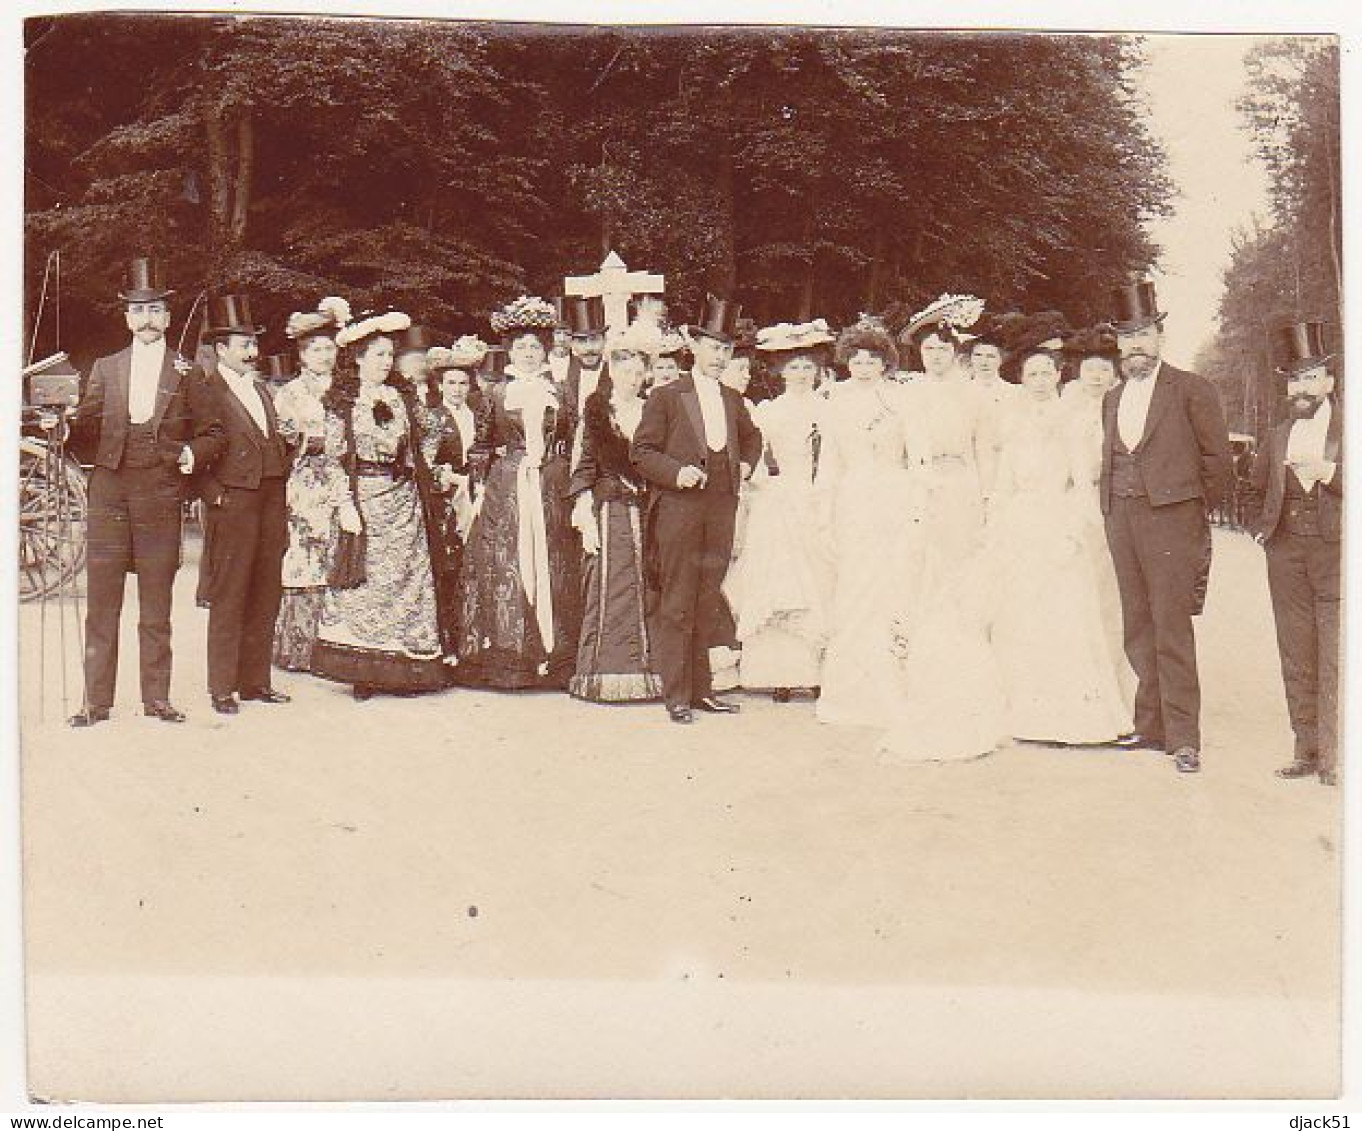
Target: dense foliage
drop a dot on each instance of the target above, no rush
(1287, 266)
(444, 167)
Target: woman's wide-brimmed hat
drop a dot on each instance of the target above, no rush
(225, 315)
(718, 320)
(466, 353)
(786, 337)
(331, 314)
(145, 282)
(957, 311)
(528, 312)
(390, 323)
(1134, 306)
(1300, 346)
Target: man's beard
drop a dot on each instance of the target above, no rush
(1138, 365)
(1303, 406)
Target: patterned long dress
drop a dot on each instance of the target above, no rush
(522, 601)
(614, 658)
(384, 633)
(311, 521)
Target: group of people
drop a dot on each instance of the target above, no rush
(956, 527)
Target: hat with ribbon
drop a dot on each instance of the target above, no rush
(583, 317)
(391, 323)
(784, 337)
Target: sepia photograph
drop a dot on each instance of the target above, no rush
(678, 561)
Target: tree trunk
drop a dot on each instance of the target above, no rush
(872, 298)
(245, 175)
(219, 190)
(811, 251)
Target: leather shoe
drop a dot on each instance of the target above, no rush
(225, 704)
(265, 695)
(681, 715)
(1299, 769)
(1187, 760)
(89, 716)
(715, 706)
(1136, 741)
(164, 710)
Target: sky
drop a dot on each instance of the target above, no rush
(1191, 85)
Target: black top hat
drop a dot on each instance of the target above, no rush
(1300, 345)
(278, 367)
(146, 282)
(1135, 306)
(414, 339)
(718, 319)
(229, 314)
(583, 317)
(560, 305)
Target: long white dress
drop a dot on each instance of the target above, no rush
(780, 586)
(1019, 648)
(874, 462)
(1085, 445)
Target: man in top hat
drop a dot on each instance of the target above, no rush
(695, 445)
(1165, 462)
(584, 319)
(150, 426)
(409, 357)
(1296, 508)
(244, 500)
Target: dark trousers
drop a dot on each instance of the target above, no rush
(134, 527)
(694, 534)
(1160, 555)
(1303, 577)
(249, 537)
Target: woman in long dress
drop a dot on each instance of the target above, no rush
(780, 587)
(382, 634)
(1095, 353)
(311, 515)
(451, 427)
(614, 657)
(953, 414)
(522, 563)
(873, 460)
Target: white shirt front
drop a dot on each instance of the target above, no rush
(589, 382)
(248, 393)
(1132, 410)
(145, 378)
(712, 412)
(1305, 444)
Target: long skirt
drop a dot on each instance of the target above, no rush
(385, 633)
(614, 658)
(295, 630)
(513, 635)
(311, 536)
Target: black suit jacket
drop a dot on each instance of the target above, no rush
(241, 460)
(1185, 450)
(183, 415)
(671, 434)
(1268, 482)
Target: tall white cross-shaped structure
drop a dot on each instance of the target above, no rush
(616, 285)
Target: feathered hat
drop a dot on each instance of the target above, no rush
(390, 322)
(332, 314)
(528, 312)
(466, 353)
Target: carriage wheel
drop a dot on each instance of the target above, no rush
(52, 520)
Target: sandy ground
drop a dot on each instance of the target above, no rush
(475, 894)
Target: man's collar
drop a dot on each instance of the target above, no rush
(158, 344)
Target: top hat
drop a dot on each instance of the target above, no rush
(560, 305)
(1135, 306)
(229, 314)
(146, 282)
(414, 339)
(583, 317)
(278, 367)
(718, 319)
(1300, 346)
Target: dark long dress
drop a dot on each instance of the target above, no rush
(522, 602)
(449, 454)
(614, 658)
